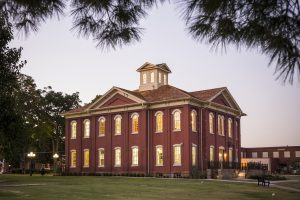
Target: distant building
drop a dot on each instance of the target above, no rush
(157, 128)
(281, 159)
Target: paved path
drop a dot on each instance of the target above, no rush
(20, 185)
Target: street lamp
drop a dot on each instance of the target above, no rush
(31, 155)
(55, 157)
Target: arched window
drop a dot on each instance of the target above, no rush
(73, 158)
(193, 120)
(211, 123)
(101, 126)
(118, 124)
(135, 122)
(135, 156)
(221, 153)
(73, 129)
(236, 130)
(159, 77)
(211, 153)
(229, 127)
(176, 120)
(220, 125)
(86, 132)
(144, 78)
(118, 157)
(159, 121)
(152, 77)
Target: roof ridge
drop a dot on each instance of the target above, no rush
(209, 89)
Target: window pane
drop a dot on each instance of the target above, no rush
(101, 158)
(159, 122)
(177, 120)
(73, 130)
(87, 128)
(102, 127)
(118, 157)
(135, 156)
(194, 155)
(193, 116)
(275, 154)
(287, 154)
(152, 77)
(265, 154)
(159, 156)
(229, 127)
(144, 78)
(211, 123)
(73, 158)
(135, 124)
(118, 125)
(211, 154)
(177, 155)
(254, 154)
(86, 158)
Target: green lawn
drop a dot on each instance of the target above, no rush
(56, 188)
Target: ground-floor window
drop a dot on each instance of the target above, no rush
(101, 157)
(135, 156)
(86, 158)
(73, 158)
(211, 153)
(117, 156)
(177, 154)
(159, 155)
(194, 154)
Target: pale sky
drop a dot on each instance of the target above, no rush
(57, 57)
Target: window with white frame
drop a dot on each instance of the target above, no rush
(159, 155)
(118, 157)
(73, 129)
(297, 154)
(211, 153)
(275, 154)
(101, 155)
(159, 77)
(159, 121)
(152, 77)
(165, 79)
(176, 120)
(265, 154)
(118, 124)
(135, 156)
(287, 154)
(194, 154)
(221, 125)
(177, 154)
(135, 122)
(230, 127)
(86, 158)
(254, 154)
(211, 123)
(87, 129)
(144, 78)
(73, 158)
(101, 126)
(193, 120)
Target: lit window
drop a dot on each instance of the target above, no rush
(194, 154)
(165, 79)
(101, 157)
(220, 125)
(86, 128)
(211, 123)
(275, 154)
(73, 129)
(86, 158)
(159, 77)
(193, 116)
(229, 127)
(265, 154)
(152, 77)
(101, 126)
(73, 158)
(118, 124)
(176, 120)
(287, 154)
(297, 154)
(177, 154)
(221, 153)
(230, 155)
(211, 153)
(117, 156)
(159, 121)
(159, 156)
(135, 122)
(254, 154)
(135, 156)
(144, 78)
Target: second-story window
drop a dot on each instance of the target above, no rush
(159, 77)
(135, 122)
(73, 129)
(87, 126)
(101, 126)
(229, 127)
(159, 121)
(221, 125)
(211, 123)
(152, 77)
(176, 120)
(118, 124)
(193, 121)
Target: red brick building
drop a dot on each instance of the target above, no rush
(157, 128)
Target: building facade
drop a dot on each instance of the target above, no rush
(281, 159)
(155, 129)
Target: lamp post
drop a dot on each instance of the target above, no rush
(31, 155)
(55, 157)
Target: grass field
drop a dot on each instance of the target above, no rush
(94, 187)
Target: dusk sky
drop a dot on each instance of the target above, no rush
(57, 57)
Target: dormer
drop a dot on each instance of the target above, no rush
(153, 76)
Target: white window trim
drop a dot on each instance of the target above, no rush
(73, 122)
(194, 111)
(117, 116)
(156, 147)
(177, 145)
(173, 113)
(212, 147)
(120, 158)
(213, 122)
(134, 147)
(86, 166)
(144, 78)
(230, 134)
(71, 165)
(101, 166)
(138, 116)
(84, 134)
(100, 118)
(156, 113)
(152, 77)
(196, 160)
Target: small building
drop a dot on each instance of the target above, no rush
(156, 129)
(282, 159)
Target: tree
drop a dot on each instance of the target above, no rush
(273, 26)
